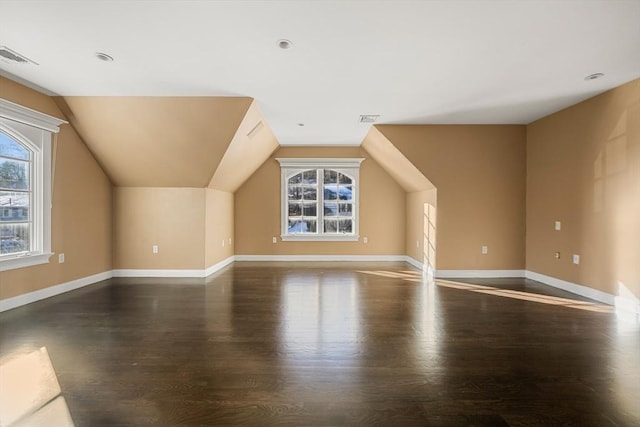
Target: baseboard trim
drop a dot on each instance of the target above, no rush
(188, 273)
(322, 258)
(621, 303)
(51, 291)
(417, 264)
(219, 266)
(470, 274)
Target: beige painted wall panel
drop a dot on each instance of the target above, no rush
(81, 213)
(157, 141)
(584, 170)
(219, 238)
(416, 243)
(172, 218)
(382, 210)
(479, 172)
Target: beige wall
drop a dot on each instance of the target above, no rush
(219, 234)
(382, 210)
(584, 170)
(81, 213)
(172, 218)
(418, 235)
(479, 172)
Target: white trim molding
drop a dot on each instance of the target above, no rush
(480, 274)
(18, 113)
(323, 258)
(313, 162)
(290, 167)
(51, 291)
(621, 303)
(190, 273)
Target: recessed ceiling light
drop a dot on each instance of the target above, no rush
(594, 76)
(284, 44)
(104, 57)
(300, 124)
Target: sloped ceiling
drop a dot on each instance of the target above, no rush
(252, 144)
(394, 162)
(157, 141)
(411, 62)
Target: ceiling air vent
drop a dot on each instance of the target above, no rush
(255, 129)
(8, 55)
(368, 118)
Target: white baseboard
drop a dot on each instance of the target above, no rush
(219, 266)
(173, 273)
(481, 274)
(28, 298)
(621, 303)
(333, 258)
(157, 273)
(417, 264)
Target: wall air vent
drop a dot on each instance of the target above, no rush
(11, 56)
(368, 118)
(255, 129)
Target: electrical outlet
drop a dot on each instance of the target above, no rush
(557, 255)
(60, 258)
(365, 240)
(223, 243)
(275, 240)
(485, 250)
(576, 259)
(154, 249)
(557, 226)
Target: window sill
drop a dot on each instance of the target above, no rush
(24, 261)
(319, 238)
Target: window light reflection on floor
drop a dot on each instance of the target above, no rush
(30, 393)
(416, 276)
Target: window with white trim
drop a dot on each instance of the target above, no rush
(25, 185)
(320, 199)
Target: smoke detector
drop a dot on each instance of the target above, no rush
(368, 118)
(11, 56)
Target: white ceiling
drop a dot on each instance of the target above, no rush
(412, 62)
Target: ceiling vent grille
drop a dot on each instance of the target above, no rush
(253, 132)
(368, 118)
(8, 55)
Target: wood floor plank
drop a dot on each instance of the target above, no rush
(332, 344)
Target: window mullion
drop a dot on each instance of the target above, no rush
(320, 201)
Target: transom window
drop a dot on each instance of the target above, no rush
(319, 199)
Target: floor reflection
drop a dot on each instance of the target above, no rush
(30, 393)
(415, 276)
(320, 317)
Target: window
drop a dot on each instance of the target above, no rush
(320, 199)
(25, 185)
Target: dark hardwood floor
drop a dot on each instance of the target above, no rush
(332, 344)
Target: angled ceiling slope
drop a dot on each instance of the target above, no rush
(410, 178)
(157, 141)
(411, 62)
(252, 144)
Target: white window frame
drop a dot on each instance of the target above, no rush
(34, 130)
(293, 166)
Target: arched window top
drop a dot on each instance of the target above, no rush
(13, 149)
(319, 199)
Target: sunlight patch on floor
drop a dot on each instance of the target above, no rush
(416, 276)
